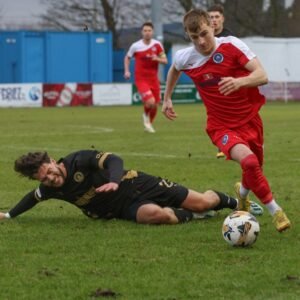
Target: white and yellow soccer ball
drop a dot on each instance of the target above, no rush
(240, 228)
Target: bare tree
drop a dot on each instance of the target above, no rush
(246, 18)
(186, 4)
(243, 17)
(124, 17)
(99, 15)
(203, 4)
(70, 15)
(293, 16)
(175, 9)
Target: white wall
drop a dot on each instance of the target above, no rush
(279, 56)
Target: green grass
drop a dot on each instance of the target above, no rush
(54, 252)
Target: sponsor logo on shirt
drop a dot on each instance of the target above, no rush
(208, 80)
(225, 139)
(208, 76)
(218, 58)
(148, 56)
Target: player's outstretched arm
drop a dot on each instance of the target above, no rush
(172, 78)
(25, 204)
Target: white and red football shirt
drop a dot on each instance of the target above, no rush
(228, 60)
(145, 67)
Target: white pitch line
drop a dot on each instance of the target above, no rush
(90, 127)
(28, 148)
(134, 154)
(170, 156)
(150, 155)
(53, 134)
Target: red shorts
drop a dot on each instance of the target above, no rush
(250, 134)
(149, 89)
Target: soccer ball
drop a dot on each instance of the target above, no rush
(240, 228)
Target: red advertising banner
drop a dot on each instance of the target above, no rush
(67, 94)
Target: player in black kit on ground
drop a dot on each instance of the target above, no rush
(96, 183)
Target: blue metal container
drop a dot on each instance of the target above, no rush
(55, 57)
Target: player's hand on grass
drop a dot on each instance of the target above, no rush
(168, 110)
(2, 216)
(227, 85)
(108, 187)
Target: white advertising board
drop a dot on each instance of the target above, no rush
(21, 95)
(112, 94)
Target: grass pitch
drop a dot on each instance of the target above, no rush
(54, 252)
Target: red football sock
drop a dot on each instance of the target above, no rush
(254, 179)
(153, 113)
(147, 110)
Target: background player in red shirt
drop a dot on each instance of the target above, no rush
(226, 73)
(148, 54)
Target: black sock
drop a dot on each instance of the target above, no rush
(225, 201)
(183, 215)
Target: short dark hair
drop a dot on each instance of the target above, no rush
(217, 7)
(28, 165)
(193, 18)
(150, 24)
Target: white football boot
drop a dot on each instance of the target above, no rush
(147, 124)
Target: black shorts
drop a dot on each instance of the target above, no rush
(154, 190)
